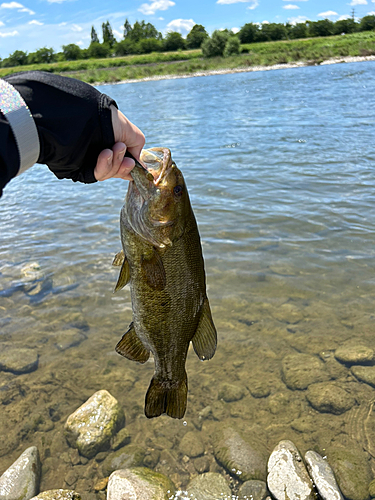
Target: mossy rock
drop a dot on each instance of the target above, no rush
(139, 483)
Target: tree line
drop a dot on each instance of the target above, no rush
(143, 38)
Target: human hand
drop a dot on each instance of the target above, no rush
(111, 162)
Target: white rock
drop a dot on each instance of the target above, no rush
(287, 474)
(139, 483)
(323, 477)
(21, 480)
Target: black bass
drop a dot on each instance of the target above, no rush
(163, 263)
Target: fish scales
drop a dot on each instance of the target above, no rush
(163, 262)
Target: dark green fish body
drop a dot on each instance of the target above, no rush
(164, 264)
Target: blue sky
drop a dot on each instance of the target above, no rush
(31, 24)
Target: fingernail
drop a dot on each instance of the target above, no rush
(121, 155)
(110, 160)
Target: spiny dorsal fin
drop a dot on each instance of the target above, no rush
(153, 271)
(131, 347)
(124, 276)
(205, 338)
(119, 259)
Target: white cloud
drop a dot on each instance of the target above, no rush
(118, 34)
(295, 0)
(9, 33)
(345, 16)
(181, 25)
(254, 5)
(230, 1)
(161, 18)
(1, 23)
(151, 8)
(290, 6)
(235, 30)
(358, 2)
(18, 6)
(62, 24)
(329, 13)
(77, 28)
(297, 20)
(37, 23)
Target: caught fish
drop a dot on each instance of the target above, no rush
(163, 263)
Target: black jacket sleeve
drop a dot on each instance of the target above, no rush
(74, 125)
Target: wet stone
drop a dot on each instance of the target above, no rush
(130, 456)
(253, 490)
(371, 489)
(201, 464)
(139, 483)
(329, 398)
(301, 370)
(354, 354)
(69, 338)
(151, 459)
(243, 459)
(288, 313)
(364, 374)
(191, 445)
(231, 392)
(287, 475)
(208, 486)
(352, 471)
(121, 439)
(259, 387)
(58, 495)
(91, 427)
(322, 476)
(18, 360)
(21, 480)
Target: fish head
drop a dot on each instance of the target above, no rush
(157, 204)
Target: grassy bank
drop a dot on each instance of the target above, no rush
(312, 51)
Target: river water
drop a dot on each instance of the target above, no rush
(280, 171)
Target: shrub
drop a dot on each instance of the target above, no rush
(214, 46)
(98, 50)
(174, 41)
(71, 52)
(232, 47)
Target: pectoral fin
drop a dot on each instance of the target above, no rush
(131, 347)
(119, 259)
(153, 271)
(124, 275)
(205, 338)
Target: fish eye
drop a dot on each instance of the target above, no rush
(178, 190)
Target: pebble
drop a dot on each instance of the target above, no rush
(364, 374)
(352, 471)
(191, 445)
(322, 476)
(101, 484)
(69, 338)
(231, 392)
(371, 489)
(329, 398)
(253, 490)
(354, 354)
(201, 464)
(21, 480)
(139, 483)
(208, 486)
(91, 427)
(18, 360)
(301, 370)
(288, 313)
(130, 456)
(287, 474)
(58, 495)
(243, 459)
(121, 439)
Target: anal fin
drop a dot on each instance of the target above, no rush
(205, 338)
(131, 347)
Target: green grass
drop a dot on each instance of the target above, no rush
(311, 51)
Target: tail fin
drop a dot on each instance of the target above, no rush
(166, 397)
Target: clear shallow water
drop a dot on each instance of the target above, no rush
(280, 170)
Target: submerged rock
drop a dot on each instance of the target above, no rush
(329, 398)
(352, 471)
(121, 439)
(322, 476)
(208, 486)
(243, 459)
(231, 392)
(287, 474)
(364, 374)
(354, 354)
(130, 456)
(301, 370)
(18, 359)
(58, 495)
(139, 483)
(21, 480)
(253, 490)
(191, 445)
(91, 427)
(69, 338)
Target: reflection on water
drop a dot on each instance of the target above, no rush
(280, 172)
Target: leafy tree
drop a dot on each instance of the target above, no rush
(367, 23)
(72, 52)
(321, 28)
(298, 30)
(174, 41)
(345, 26)
(147, 45)
(108, 38)
(274, 31)
(142, 30)
(196, 37)
(18, 58)
(232, 47)
(94, 35)
(43, 55)
(125, 47)
(98, 50)
(127, 28)
(248, 33)
(214, 46)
